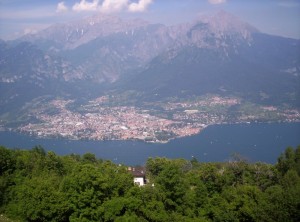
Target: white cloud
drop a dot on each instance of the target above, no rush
(215, 2)
(61, 7)
(114, 5)
(108, 6)
(84, 5)
(140, 6)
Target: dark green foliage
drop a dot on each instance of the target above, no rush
(89, 158)
(41, 186)
(38, 199)
(173, 186)
(290, 159)
(7, 160)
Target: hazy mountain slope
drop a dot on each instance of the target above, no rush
(27, 72)
(264, 69)
(215, 54)
(107, 58)
(73, 34)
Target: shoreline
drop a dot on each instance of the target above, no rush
(257, 142)
(33, 135)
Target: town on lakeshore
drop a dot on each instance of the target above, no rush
(155, 122)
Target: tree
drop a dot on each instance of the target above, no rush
(7, 160)
(39, 150)
(155, 166)
(291, 185)
(86, 189)
(89, 158)
(173, 186)
(263, 175)
(39, 186)
(297, 160)
(243, 201)
(275, 208)
(151, 207)
(38, 199)
(215, 178)
(54, 163)
(287, 160)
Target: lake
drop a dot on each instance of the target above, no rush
(256, 142)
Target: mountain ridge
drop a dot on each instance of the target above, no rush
(216, 54)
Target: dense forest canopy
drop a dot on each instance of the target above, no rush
(36, 185)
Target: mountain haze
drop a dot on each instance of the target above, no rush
(218, 54)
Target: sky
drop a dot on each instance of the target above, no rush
(19, 17)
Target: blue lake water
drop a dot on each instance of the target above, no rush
(257, 142)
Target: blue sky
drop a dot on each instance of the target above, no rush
(18, 17)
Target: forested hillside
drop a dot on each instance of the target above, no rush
(41, 186)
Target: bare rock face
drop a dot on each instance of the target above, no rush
(73, 34)
(206, 55)
(105, 48)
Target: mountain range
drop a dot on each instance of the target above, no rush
(217, 54)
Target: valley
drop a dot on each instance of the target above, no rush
(148, 110)
(158, 122)
(109, 78)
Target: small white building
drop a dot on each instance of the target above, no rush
(139, 181)
(139, 175)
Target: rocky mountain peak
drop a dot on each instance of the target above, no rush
(215, 54)
(73, 34)
(220, 30)
(223, 21)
